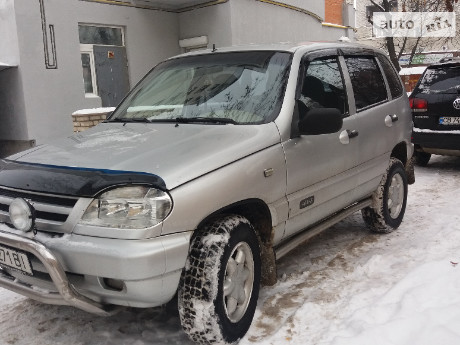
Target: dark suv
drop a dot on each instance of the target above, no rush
(435, 104)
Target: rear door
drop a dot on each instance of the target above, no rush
(379, 114)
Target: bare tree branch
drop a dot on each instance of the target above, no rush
(401, 51)
(414, 50)
(397, 47)
(378, 5)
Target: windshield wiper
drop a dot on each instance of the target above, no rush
(126, 119)
(223, 120)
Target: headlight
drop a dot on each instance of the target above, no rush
(134, 207)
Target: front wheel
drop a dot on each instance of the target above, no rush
(389, 200)
(220, 284)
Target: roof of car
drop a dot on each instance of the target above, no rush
(287, 46)
(446, 61)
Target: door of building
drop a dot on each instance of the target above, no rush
(111, 67)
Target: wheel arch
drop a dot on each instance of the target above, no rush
(257, 212)
(400, 152)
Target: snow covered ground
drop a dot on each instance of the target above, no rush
(345, 287)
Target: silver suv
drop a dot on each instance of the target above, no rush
(215, 165)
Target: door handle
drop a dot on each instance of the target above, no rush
(353, 133)
(346, 135)
(389, 119)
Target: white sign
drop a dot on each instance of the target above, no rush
(414, 24)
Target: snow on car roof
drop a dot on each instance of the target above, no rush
(412, 70)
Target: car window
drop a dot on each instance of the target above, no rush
(444, 79)
(245, 88)
(367, 81)
(323, 85)
(394, 82)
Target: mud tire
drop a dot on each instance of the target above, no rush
(204, 311)
(389, 200)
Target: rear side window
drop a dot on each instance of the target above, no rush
(367, 81)
(445, 79)
(394, 82)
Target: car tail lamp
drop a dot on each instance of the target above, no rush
(418, 105)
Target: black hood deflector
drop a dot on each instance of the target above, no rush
(69, 180)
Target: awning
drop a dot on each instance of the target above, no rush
(176, 6)
(172, 5)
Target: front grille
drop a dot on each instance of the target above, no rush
(51, 211)
(39, 198)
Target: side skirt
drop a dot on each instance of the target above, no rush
(291, 243)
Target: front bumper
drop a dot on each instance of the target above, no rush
(74, 270)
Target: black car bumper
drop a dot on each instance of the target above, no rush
(436, 139)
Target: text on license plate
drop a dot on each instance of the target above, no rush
(15, 259)
(449, 120)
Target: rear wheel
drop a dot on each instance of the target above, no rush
(422, 158)
(389, 200)
(220, 283)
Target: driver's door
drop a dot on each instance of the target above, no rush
(321, 168)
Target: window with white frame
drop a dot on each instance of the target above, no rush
(91, 35)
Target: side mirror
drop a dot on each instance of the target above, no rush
(321, 121)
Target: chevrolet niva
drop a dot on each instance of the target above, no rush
(214, 166)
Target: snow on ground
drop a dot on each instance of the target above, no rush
(346, 287)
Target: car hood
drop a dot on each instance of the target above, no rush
(177, 154)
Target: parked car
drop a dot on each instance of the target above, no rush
(435, 104)
(215, 165)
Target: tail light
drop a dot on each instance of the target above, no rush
(418, 105)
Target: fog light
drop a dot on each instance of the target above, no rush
(22, 214)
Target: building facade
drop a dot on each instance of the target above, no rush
(58, 56)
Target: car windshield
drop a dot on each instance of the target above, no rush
(441, 79)
(239, 88)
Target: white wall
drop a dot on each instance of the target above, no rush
(9, 50)
(238, 22)
(51, 95)
(212, 21)
(315, 6)
(258, 22)
(13, 123)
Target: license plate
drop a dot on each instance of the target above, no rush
(449, 120)
(15, 259)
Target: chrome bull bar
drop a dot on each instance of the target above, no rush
(66, 293)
